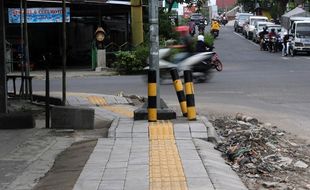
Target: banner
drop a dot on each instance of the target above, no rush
(38, 15)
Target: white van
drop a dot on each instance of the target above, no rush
(248, 29)
(300, 32)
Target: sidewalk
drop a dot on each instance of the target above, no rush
(162, 155)
(137, 155)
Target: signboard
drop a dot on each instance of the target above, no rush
(39, 15)
(187, 11)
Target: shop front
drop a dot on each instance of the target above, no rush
(45, 30)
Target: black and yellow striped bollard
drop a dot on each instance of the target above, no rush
(178, 86)
(189, 91)
(152, 92)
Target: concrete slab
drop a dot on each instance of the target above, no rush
(112, 185)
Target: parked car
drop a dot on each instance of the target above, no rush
(259, 26)
(248, 29)
(240, 21)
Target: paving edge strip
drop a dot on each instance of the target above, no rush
(112, 128)
(212, 135)
(222, 176)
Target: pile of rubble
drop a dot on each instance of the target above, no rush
(262, 155)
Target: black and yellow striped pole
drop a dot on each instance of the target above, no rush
(178, 86)
(189, 91)
(152, 92)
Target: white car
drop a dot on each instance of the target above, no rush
(240, 20)
(248, 29)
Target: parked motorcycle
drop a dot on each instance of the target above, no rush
(201, 64)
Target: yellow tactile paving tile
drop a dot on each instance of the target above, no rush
(97, 100)
(166, 170)
(100, 101)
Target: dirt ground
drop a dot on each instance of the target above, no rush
(262, 155)
(67, 167)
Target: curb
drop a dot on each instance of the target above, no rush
(212, 135)
(221, 175)
(112, 129)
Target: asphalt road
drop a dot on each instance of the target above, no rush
(266, 85)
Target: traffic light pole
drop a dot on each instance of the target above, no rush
(3, 87)
(154, 48)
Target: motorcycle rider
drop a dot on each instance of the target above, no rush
(272, 34)
(261, 37)
(201, 46)
(192, 26)
(215, 26)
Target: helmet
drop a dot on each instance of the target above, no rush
(201, 38)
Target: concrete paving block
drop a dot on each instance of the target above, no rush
(181, 127)
(120, 157)
(194, 168)
(72, 100)
(141, 123)
(139, 160)
(91, 172)
(112, 185)
(83, 101)
(185, 144)
(225, 175)
(121, 100)
(197, 127)
(86, 184)
(116, 164)
(182, 135)
(114, 174)
(112, 129)
(106, 141)
(199, 184)
(200, 135)
(123, 142)
(123, 135)
(144, 168)
(140, 129)
(224, 185)
(144, 148)
(136, 184)
(188, 154)
(140, 135)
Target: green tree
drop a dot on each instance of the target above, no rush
(166, 29)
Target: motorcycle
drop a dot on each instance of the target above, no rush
(215, 33)
(273, 44)
(201, 64)
(265, 43)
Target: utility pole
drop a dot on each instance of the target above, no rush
(64, 52)
(26, 47)
(3, 87)
(154, 48)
